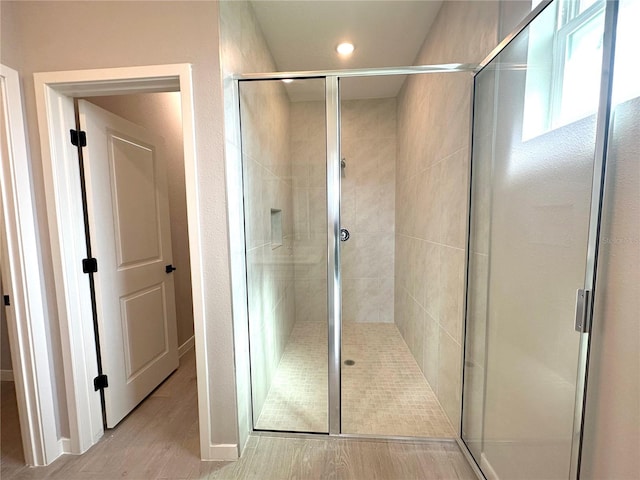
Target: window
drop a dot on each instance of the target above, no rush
(563, 87)
(578, 61)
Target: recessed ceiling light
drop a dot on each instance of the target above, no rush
(345, 48)
(287, 80)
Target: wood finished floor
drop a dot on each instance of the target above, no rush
(159, 440)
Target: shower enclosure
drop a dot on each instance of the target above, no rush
(406, 281)
(344, 329)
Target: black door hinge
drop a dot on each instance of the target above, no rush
(100, 382)
(89, 265)
(7, 300)
(78, 138)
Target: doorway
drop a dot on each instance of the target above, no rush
(133, 175)
(55, 93)
(11, 453)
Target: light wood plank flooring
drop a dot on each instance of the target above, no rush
(272, 458)
(159, 440)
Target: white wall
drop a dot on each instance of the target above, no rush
(80, 35)
(612, 426)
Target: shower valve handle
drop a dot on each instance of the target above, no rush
(344, 234)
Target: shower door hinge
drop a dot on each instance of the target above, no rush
(100, 382)
(78, 138)
(583, 311)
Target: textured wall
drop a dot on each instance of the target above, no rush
(431, 193)
(160, 113)
(612, 435)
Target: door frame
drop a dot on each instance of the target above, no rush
(32, 370)
(55, 92)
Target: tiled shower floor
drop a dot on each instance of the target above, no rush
(383, 392)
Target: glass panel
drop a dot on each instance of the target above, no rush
(403, 191)
(284, 176)
(530, 202)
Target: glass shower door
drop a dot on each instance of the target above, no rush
(285, 208)
(534, 143)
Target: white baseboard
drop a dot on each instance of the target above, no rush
(64, 445)
(6, 375)
(186, 346)
(222, 452)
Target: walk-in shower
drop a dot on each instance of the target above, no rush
(412, 260)
(347, 333)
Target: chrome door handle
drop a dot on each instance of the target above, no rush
(344, 234)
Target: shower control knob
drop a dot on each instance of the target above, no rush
(344, 234)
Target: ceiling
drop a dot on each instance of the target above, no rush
(303, 34)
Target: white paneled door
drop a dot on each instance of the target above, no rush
(128, 208)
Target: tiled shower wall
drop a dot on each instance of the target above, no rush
(268, 211)
(308, 153)
(431, 196)
(367, 209)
